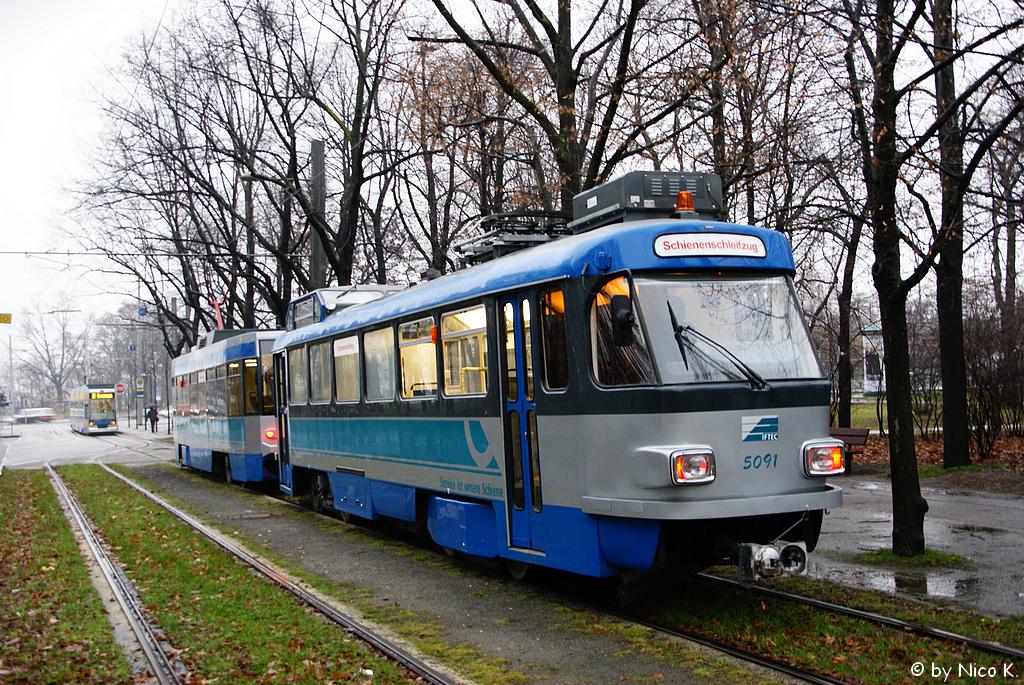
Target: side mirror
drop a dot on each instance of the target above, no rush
(623, 321)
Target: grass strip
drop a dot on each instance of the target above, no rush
(839, 646)
(426, 633)
(230, 625)
(1008, 631)
(53, 627)
(932, 558)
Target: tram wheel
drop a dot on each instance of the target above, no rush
(519, 570)
(321, 494)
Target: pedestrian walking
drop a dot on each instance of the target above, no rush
(153, 417)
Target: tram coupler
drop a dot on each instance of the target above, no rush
(772, 561)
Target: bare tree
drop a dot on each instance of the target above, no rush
(54, 350)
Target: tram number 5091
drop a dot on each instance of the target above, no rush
(760, 461)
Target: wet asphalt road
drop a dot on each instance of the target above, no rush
(987, 528)
(55, 443)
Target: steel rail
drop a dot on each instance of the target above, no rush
(898, 624)
(427, 672)
(162, 668)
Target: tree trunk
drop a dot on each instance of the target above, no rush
(949, 270)
(844, 367)
(908, 507)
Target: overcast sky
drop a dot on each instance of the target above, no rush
(57, 56)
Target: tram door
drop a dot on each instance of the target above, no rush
(520, 419)
(281, 411)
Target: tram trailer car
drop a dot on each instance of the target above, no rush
(94, 409)
(642, 394)
(224, 406)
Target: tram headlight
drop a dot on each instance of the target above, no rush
(91, 424)
(693, 466)
(824, 458)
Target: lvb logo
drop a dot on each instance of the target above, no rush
(759, 428)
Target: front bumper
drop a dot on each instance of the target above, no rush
(829, 497)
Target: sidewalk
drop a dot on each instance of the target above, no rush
(986, 528)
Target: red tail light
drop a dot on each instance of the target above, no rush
(270, 434)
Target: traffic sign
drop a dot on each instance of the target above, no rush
(140, 394)
(5, 317)
(143, 311)
(140, 385)
(119, 388)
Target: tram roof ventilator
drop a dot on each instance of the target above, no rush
(635, 196)
(641, 195)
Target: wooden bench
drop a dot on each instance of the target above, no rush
(852, 438)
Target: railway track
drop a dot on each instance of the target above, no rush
(160, 665)
(427, 672)
(760, 659)
(879, 619)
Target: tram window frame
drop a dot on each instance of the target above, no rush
(326, 355)
(422, 341)
(251, 403)
(297, 360)
(545, 336)
(391, 366)
(266, 380)
(357, 385)
(214, 395)
(526, 314)
(201, 404)
(179, 395)
(592, 333)
(193, 381)
(484, 353)
(233, 389)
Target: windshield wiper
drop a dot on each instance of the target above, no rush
(753, 377)
(681, 339)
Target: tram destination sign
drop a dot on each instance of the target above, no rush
(709, 245)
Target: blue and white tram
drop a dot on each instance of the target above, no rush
(224, 406)
(643, 394)
(93, 409)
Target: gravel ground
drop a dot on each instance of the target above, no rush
(499, 617)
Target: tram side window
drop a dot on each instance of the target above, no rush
(267, 377)
(346, 369)
(215, 399)
(617, 361)
(464, 348)
(200, 394)
(553, 339)
(251, 385)
(379, 357)
(180, 397)
(297, 376)
(417, 351)
(320, 372)
(235, 388)
(193, 393)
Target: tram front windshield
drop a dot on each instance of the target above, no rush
(101, 406)
(694, 322)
